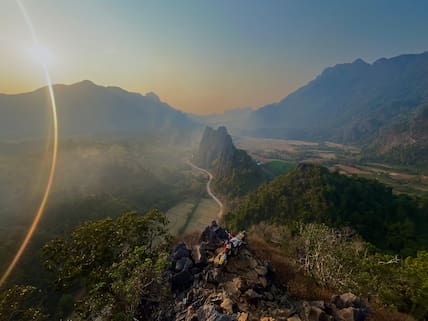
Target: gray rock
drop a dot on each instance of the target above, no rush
(191, 314)
(318, 304)
(195, 270)
(347, 300)
(316, 314)
(350, 314)
(227, 306)
(209, 313)
(180, 251)
(251, 294)
(184, 263)
(261, 270)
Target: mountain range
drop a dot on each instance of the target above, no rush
(380, 105)
(86, 109)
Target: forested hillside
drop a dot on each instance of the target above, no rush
(312, 194)
(403, 142)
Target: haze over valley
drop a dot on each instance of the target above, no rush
(233, 161)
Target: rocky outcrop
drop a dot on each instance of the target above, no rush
(243, 289)
(234, 170)
(214, 143)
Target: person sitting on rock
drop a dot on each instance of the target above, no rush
(235, 242)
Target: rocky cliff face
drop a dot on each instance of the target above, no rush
(235, 171)
(243, 289)
(214, 144)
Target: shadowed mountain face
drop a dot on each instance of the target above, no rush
(85, 109)
(214, 144)
(235, 171)
(404, 142)
(349, 102)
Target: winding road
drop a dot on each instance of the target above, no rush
(210, 193)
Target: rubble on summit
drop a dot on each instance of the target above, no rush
(242, 287)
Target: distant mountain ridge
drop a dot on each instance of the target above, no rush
(234, 170)
(85, 108)
(352, 103)
(349, 102)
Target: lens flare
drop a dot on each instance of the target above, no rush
(41, 55)
(45, 197)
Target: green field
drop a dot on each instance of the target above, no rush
(278, 167)
(191, 215)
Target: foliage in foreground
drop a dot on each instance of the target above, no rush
(113, 267)
(21, 303)
(339, 261)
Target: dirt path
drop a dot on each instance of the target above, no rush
(210, 193)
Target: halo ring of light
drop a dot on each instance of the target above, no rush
(44, 200)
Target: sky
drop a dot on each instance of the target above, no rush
(203, 56)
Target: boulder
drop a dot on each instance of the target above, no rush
(243, 316)
(184, 263)
(251, 294)
(209, 313)
(180, 251)
(263, 282)
(261, 270)
(214, 276)
(227, 306)
(319, 304)
(234, 286)
(191, 314)
(316, 314)
(182, 280)
(347, 300)
(350, 314)
(238, 283)
(195, 270)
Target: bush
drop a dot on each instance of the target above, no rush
(118, 263)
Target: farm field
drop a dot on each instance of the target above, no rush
(191, 215)
(343, 158)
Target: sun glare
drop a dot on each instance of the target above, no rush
(41, 55)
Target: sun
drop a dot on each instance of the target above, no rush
(41, 55)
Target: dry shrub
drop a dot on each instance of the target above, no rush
(287, 274)
(382, 313)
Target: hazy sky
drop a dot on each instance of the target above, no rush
(204, 56)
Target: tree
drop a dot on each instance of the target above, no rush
(21, 303)
(118, 264)
(416, 270)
